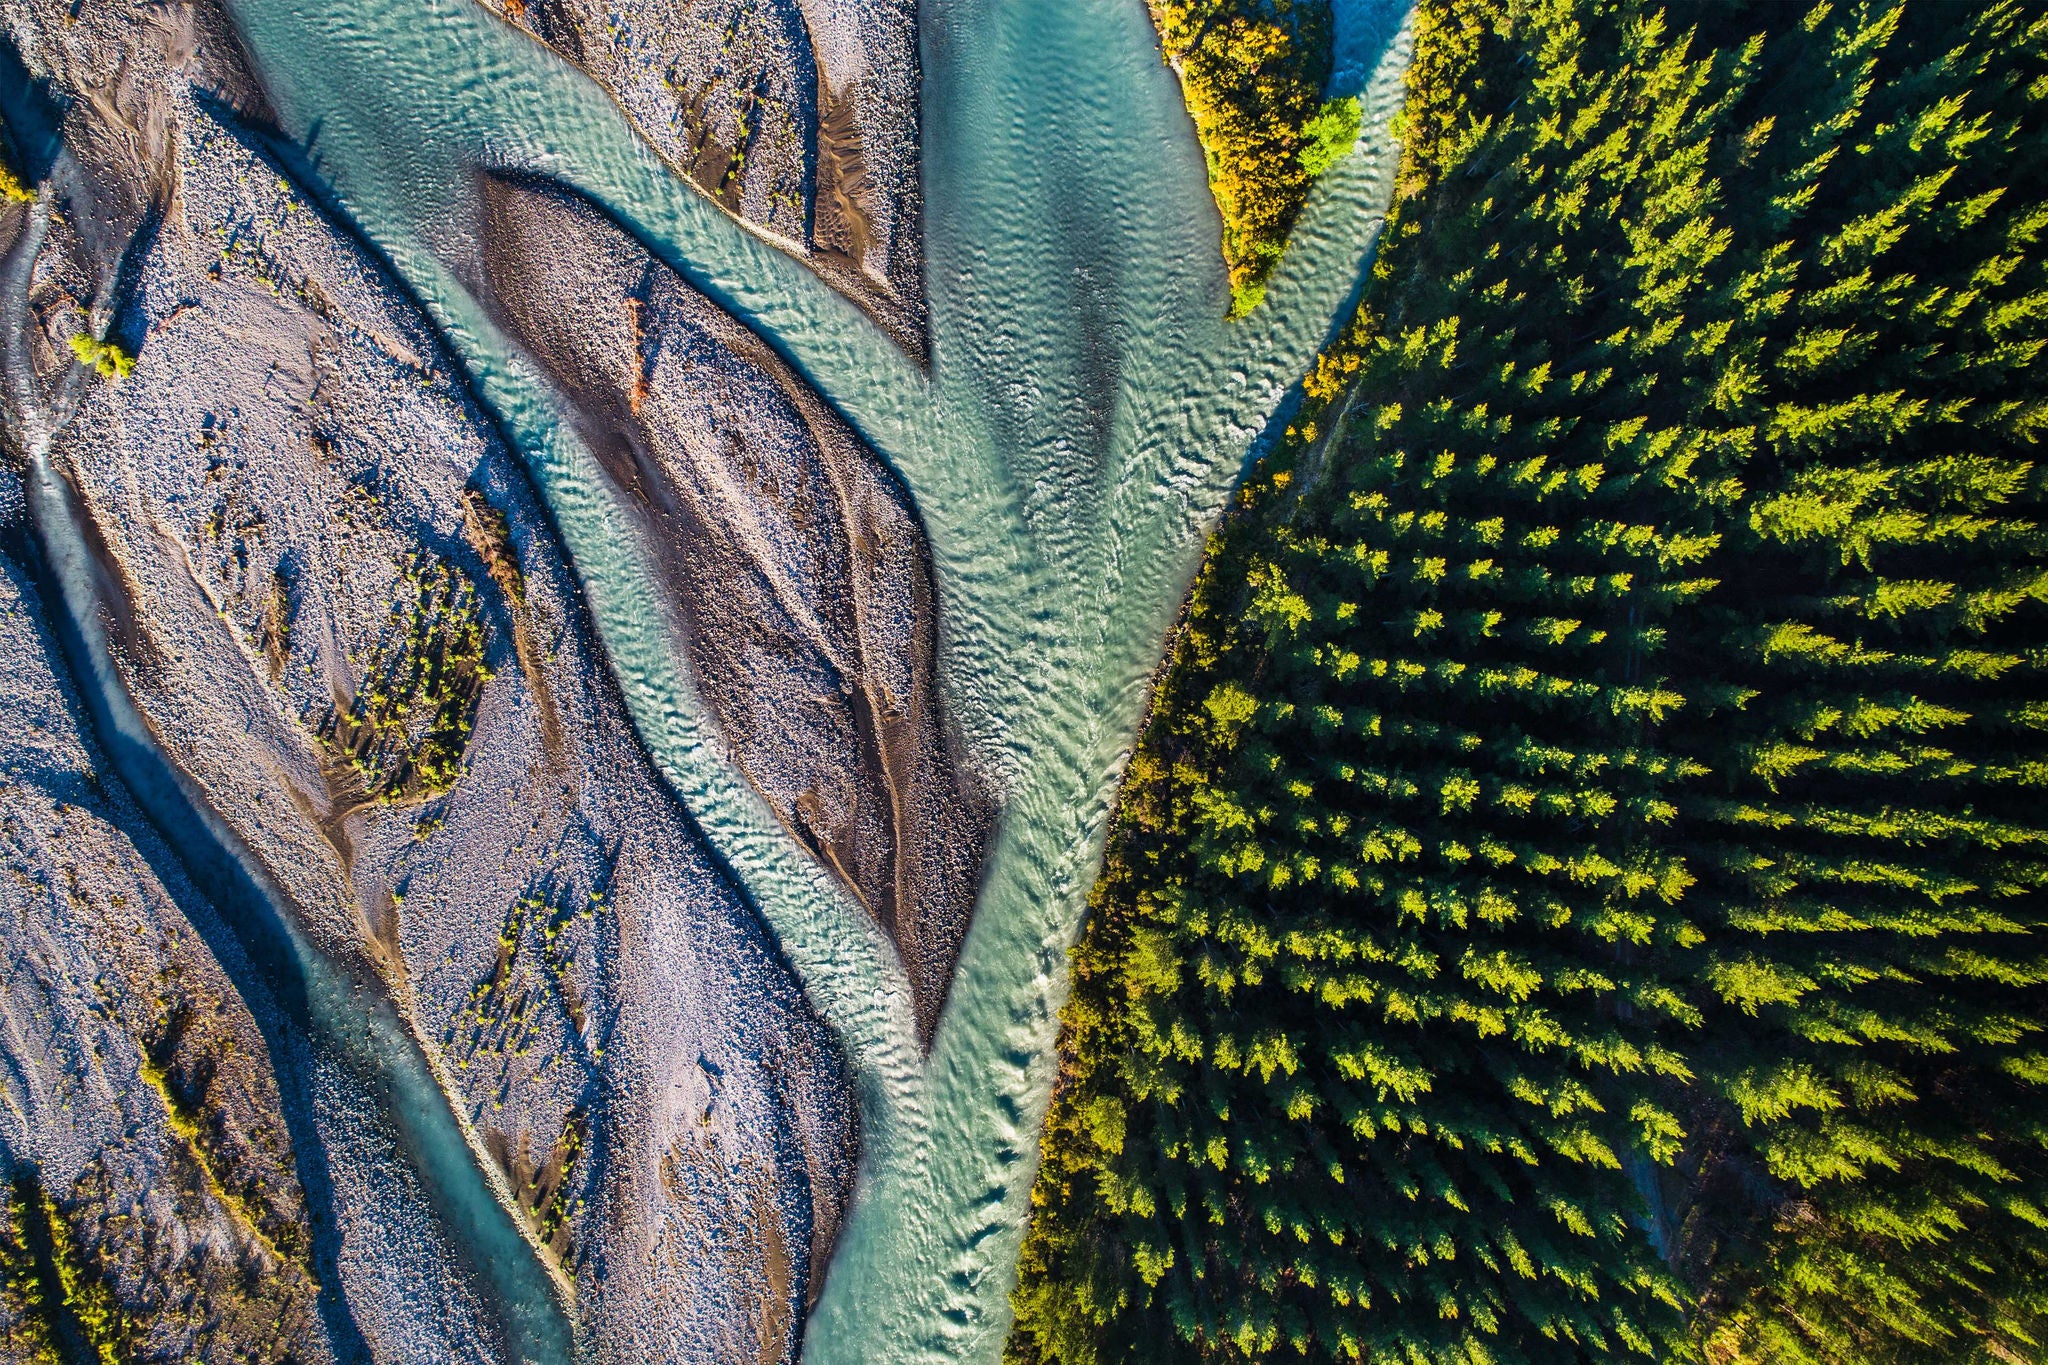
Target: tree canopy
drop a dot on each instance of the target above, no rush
(1253, 73)
(1580, 892)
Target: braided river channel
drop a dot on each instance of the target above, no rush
(1085, 414)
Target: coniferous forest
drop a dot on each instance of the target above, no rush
(1583, 891)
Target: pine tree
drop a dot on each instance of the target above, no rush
(1390, 922)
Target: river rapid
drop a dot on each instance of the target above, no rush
(1085, 415)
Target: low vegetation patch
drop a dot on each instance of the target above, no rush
(189, 1122)
(407, 730)
(27, 1289)
(549, 1201)
(535, 961)
(105, 357)
(56, 1295)
(13, 188)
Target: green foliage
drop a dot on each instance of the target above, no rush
(1870, 847)
(1330, 134)
(546, 917)
(408, 727)
(549, 1192)
(12, 188)
(1579, 893)
(1253, 74)
(87, 1297)
(106, 357)
(55, 1289)
(189, 1124)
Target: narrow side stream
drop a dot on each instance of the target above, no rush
(345, 1012)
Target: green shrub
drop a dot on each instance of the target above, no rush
(29, 1336)
(13, 188)
(1326, 138)
(407, 730)
(107, 357)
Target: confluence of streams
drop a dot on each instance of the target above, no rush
(1086, 413)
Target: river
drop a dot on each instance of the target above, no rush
(1085, 415)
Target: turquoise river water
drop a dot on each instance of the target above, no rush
(1085, 414)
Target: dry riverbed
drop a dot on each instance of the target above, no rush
(347, 624)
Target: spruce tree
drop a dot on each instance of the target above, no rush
(1390, 925)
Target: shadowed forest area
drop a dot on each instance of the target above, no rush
(1580, 893)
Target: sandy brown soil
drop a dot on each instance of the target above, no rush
(796, 572)
(800, 117)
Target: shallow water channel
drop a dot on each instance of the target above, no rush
(1086, 412)
(345, 1014)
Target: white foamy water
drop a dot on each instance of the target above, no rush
(1086, 413)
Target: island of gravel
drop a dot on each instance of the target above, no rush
(793, 566)
(799, 117)
(345, 621)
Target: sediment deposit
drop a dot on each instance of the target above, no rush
(149, 1154)
(794, 567)
(344, 620)
(799, 116)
